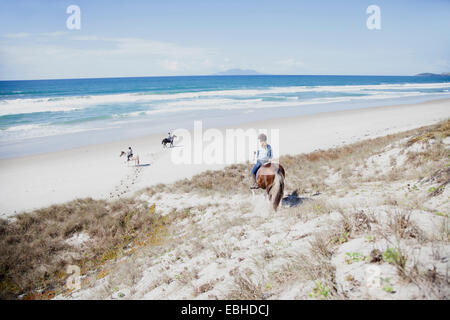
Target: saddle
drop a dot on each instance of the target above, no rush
(266, 175)
(268, 169)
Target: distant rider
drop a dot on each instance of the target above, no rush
(129, 154)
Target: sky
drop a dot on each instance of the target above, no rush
(190, 37)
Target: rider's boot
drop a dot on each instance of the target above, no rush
(254, 183)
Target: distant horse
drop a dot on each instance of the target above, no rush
(134, 158)
(271, 178)
(166, 141)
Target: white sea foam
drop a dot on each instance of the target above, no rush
(21, 132)
(27, 106)
(230, 104)
(23, 127)
(25, 131)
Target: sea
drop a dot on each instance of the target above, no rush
(38, 116)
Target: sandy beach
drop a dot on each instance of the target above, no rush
(96, 171)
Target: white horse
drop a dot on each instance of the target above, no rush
(134, 158)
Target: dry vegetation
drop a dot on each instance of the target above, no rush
(368, 203)
(34, 252)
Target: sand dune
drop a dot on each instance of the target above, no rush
(373, 225)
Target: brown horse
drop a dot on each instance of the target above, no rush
(271, 178)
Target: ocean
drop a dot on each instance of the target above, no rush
(49, 115)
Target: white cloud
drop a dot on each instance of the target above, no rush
(17, 35)
(172, 65)
(92, 56)
(85, 38)
(20, 35)
(53, 34)
(142, 46)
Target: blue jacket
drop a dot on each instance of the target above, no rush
(269, 154)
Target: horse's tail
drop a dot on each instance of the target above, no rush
(277, 189)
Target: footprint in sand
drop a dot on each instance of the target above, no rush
(124, 185)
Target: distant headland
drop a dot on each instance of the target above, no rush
(427, 74)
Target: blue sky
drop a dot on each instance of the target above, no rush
(158, 38)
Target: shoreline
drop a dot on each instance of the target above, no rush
(96, 171)
(107, 132)
(161, 134)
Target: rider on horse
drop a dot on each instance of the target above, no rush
(129, 154)
(263, 155)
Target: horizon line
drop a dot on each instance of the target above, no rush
(218, 75)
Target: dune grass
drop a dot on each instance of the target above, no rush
(34, 251)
